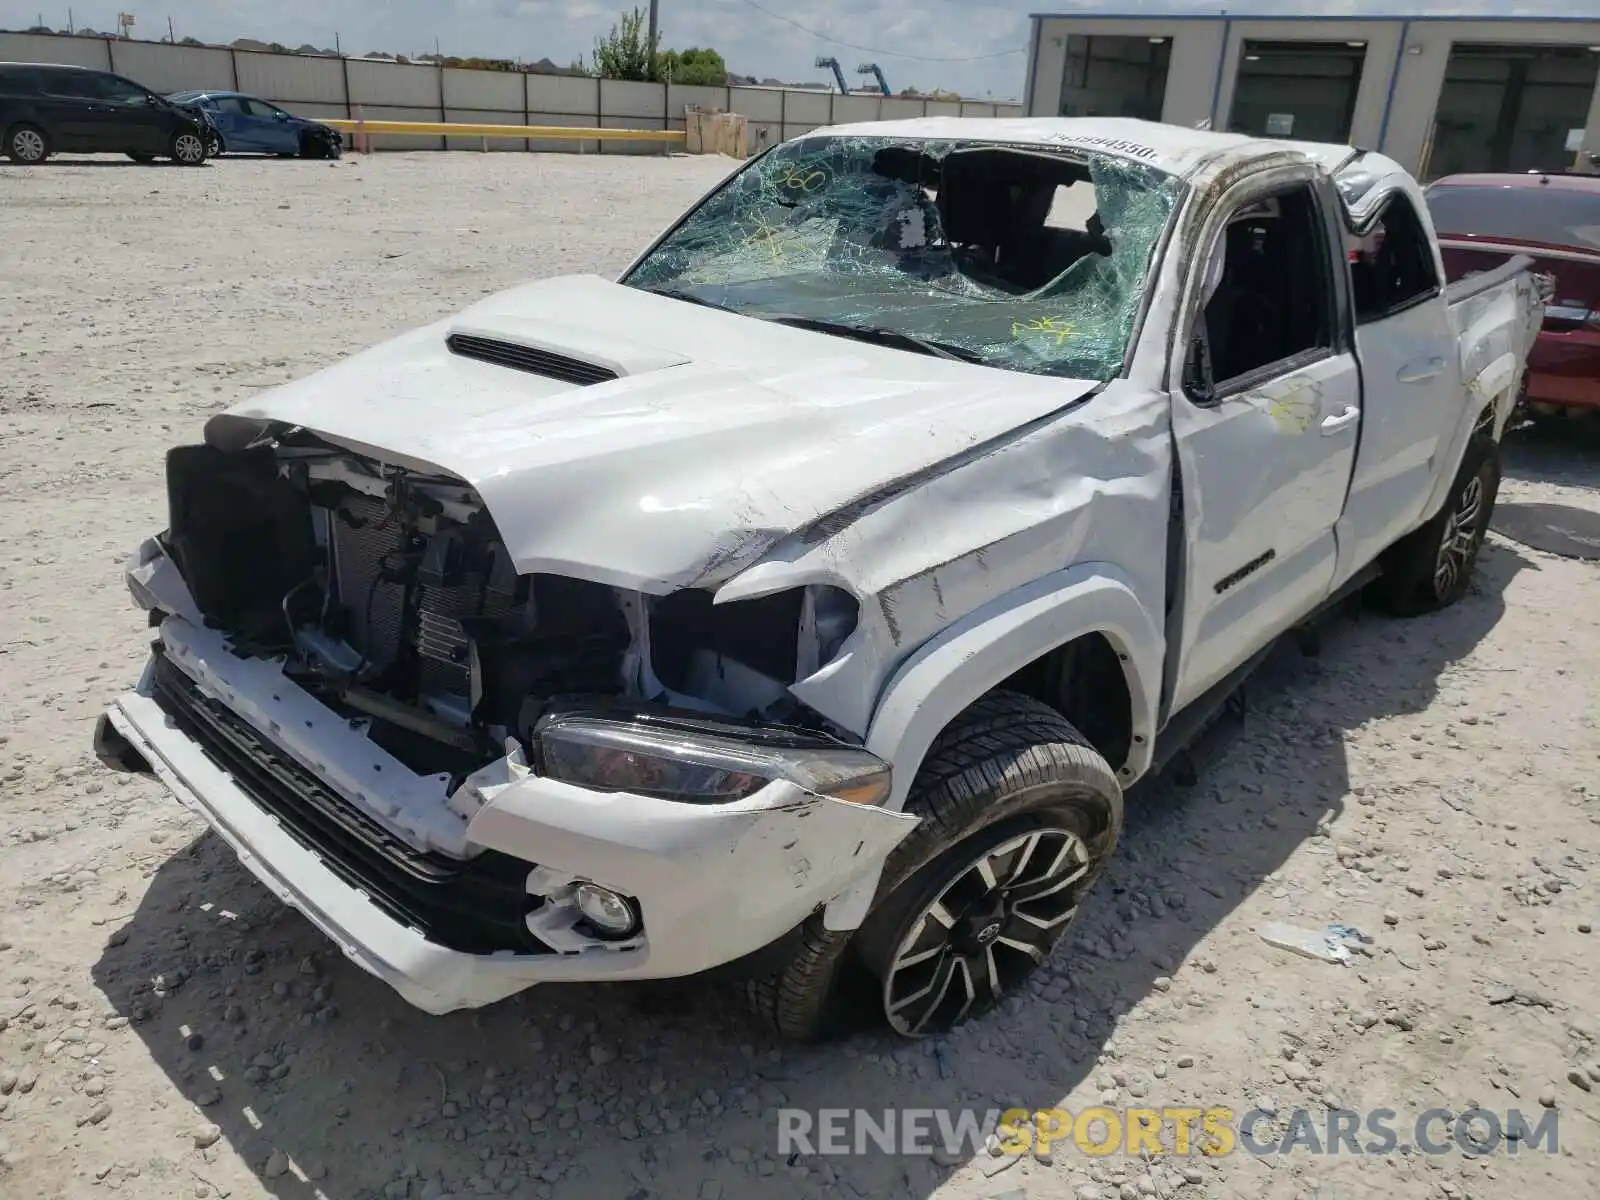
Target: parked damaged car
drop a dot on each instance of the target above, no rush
(249, 124)
(803, 602)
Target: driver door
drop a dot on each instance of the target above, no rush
(267, 128)
(127, 118)
(1266, 423)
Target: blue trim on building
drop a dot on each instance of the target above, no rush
(1033, 70)
(1347, 18)
(1222, 61)
(1394, 81)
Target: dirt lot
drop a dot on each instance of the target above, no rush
(166, 1029)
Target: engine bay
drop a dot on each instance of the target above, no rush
(389, 595)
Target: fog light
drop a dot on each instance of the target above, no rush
(612, 916)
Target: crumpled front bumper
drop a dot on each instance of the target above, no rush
(714, 883)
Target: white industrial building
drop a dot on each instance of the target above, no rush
(1439, 94)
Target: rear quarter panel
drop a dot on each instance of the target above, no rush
(1564, 363)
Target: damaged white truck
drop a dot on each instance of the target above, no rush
(803, 602)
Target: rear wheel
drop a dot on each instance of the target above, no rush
(187, 148)
(27, 144)
(214, 144)
(1432, 568)
(1020, 815)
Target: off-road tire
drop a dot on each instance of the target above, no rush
(1414, 580)
(1008, 763)
(34, 137)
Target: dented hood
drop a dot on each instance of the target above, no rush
(720, 435)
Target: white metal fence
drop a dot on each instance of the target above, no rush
(325, 86)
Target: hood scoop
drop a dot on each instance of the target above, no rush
(534, 361)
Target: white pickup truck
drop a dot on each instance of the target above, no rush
(804, 601)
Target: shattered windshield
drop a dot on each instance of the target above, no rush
(1026, 258)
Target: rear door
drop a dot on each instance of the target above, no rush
(227, 112)
(1410, 359)
(67, 100)
(1266, 422)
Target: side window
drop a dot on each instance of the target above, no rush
(18, 81)
(73, 85)
(228, 104)
(1391, 264)
(1268, 295)
(115, 90)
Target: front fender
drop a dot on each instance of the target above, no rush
(987, 647)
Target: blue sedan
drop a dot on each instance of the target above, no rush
(250, 124)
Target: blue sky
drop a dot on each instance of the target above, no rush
(901, 34)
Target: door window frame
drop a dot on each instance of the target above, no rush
(1375, 208)
(137, 96)
(1258, 186)
(51, 83)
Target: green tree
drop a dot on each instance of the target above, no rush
(696, 67)
(627, 52)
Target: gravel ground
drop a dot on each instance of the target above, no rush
(166, 1029)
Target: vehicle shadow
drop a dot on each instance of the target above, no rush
(328, 1085)
(1565, 452)
(56, 163)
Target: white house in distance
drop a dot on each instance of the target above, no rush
(1441, 94)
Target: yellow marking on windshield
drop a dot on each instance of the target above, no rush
(1057, 327)
(769, 237)
(797, 177)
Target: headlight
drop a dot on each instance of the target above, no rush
(701, 761)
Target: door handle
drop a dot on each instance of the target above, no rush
(1341, 420)
(1421, 372)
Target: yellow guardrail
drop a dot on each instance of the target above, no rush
(363, 129)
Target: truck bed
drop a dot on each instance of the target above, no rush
(1498, 314)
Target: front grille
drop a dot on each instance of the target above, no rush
(526, 358)
(475, 906)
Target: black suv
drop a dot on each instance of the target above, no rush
(45, 108)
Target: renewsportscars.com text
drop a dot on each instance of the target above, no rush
(1214, 1131)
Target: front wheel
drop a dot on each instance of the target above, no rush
(1020, 815)
(187, 149)
(1432, 567)
(27, 144)
(214, 144)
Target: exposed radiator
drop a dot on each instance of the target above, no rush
(442, 643)
(358, 546)
(441, 640)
